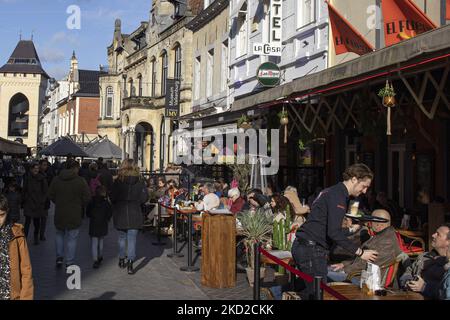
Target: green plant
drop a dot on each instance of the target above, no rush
(241, 172)
(256, 228)
(387, 91)
(283, 114)
(281, 229)
(242, 119)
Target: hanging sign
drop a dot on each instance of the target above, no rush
(268, 74)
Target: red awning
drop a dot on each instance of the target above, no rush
(345, 37)
(403, 20)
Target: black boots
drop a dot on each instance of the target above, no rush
(122, 263)
(130, 267)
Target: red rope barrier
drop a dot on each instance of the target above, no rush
(302, 275)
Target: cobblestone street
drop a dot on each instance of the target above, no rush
(156, 277)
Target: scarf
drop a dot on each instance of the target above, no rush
(5, 272)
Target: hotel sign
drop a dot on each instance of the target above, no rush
(273, 47)
(173, 98)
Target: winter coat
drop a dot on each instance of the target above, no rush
(237, 205)
(21, 275)
(48, 175)
(34, 196)
(430, 266)
(127, 197)
(445, 286)
(14, 204)
(71, 194)
(99, 212)
(106, 178)
(385, 243)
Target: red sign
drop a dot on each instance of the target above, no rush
(403, 20)
(345, 37)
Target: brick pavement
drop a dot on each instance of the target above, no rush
(157, 276)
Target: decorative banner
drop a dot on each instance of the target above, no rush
(403, 20)
(268, 74)
(173, 98)
(345, 37)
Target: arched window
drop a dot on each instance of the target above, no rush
(177, 69)
(140, 85)
(19, 107)
(109, 102)
(132, 92)
(163, 72)
(153, 93)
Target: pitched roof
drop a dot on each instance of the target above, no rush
(89, 83)
(24, 59)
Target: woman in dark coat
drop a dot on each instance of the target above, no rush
(34, 197)
(129, 192)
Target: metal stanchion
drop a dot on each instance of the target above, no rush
(190, 267)
(159, 243)
(256, 268)
(318, 294)
(175, 252)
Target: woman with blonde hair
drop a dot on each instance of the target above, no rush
(129, 192)
(300, 209)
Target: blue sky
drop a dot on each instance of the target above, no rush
(47, 19)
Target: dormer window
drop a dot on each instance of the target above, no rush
(179, 8)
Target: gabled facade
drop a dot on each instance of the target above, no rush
(23, 83)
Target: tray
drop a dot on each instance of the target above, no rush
(367, 218)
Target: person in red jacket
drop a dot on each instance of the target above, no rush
(237, 202)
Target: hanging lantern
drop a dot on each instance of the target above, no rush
(388, 95)
(284, 120)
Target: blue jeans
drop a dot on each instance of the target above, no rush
(128, 239)
(69, 238)
(311, 260)
(336, 276)
(97, 247)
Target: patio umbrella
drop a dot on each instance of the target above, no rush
(104, 149)
(63, 147)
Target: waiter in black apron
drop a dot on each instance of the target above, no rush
(323, 226)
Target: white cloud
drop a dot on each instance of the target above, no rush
(57, 72)
(63, 37)
(51, 55)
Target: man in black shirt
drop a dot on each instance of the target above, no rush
(323, 226)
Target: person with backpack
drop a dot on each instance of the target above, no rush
(94, 178)
(70, 193)
(99, 212)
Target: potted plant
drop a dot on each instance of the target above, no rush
(244, 122)
(387, 93)
(284, 117)
(256, 227)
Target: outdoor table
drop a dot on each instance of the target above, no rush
(189, 212)
(353, 292)
(175, 252)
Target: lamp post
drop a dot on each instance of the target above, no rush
(162, 137)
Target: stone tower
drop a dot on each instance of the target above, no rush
(23, 83)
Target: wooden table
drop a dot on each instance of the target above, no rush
(218, 251)
(353, 292)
